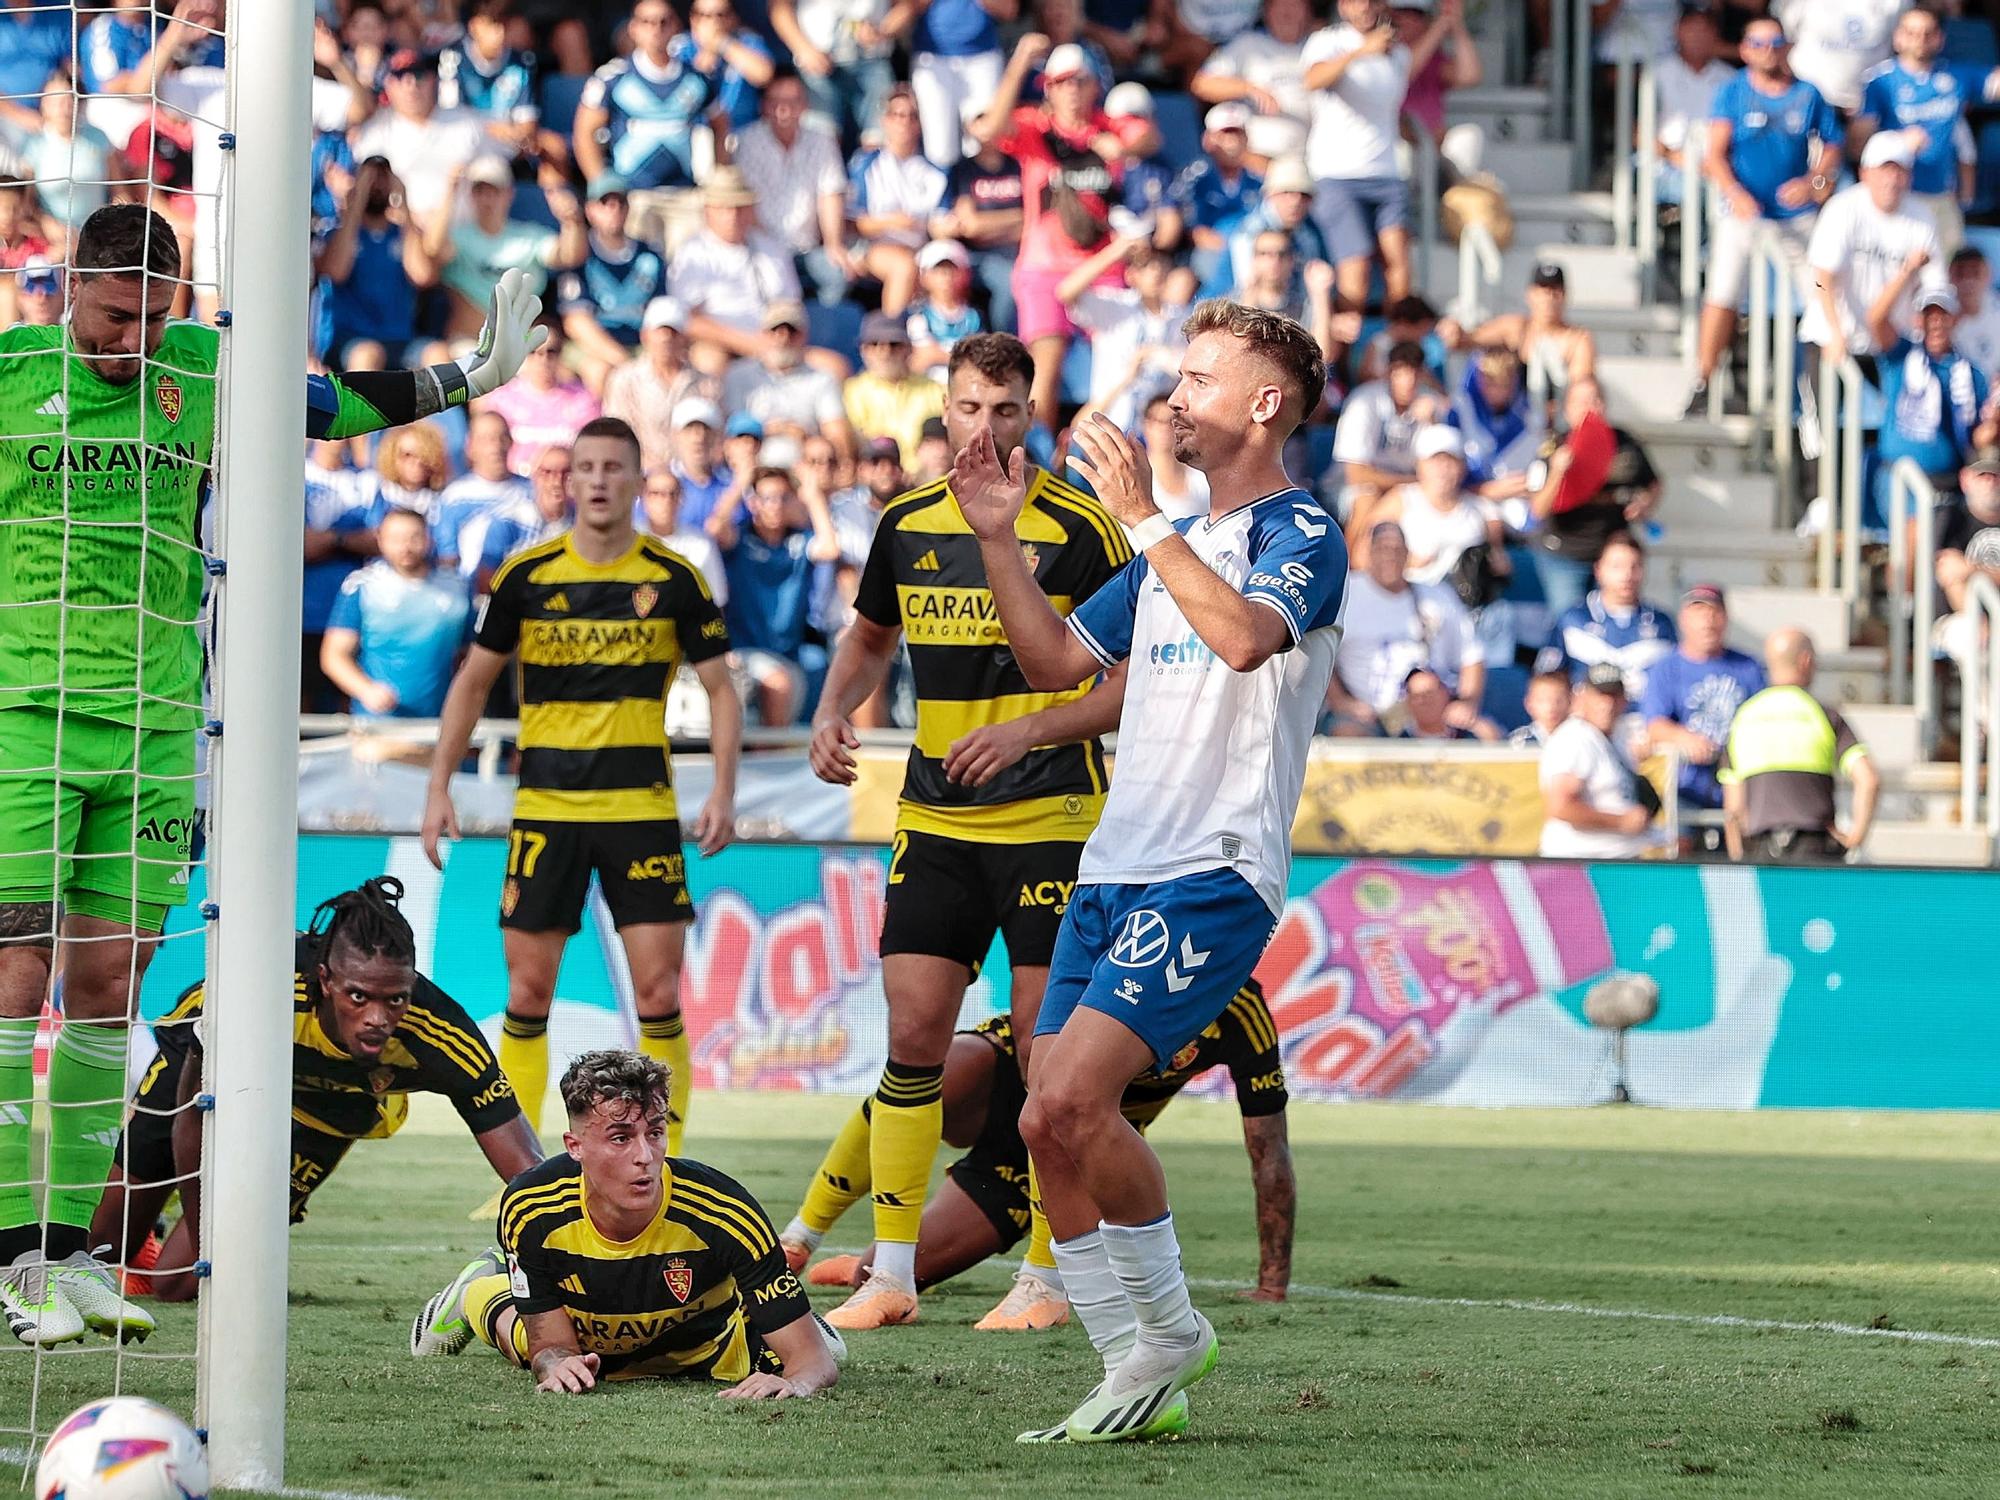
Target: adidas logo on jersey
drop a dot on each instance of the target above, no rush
(558, 603)
(55, 406)
(928, 563)
(572, 1284)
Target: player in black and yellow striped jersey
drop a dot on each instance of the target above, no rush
(1003, 785)
(622, 1263)
(984, 1205)
(600, 618)
(367, 1032)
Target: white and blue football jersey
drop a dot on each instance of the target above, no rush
(1210, 760)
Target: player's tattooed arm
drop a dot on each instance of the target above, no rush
(28, 924)
(557, 1364)
(1277, 1203)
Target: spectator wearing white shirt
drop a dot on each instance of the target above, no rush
(1978, 332)
(661, 503)
(892, 193)
(1836, 42)
(486, 512)
(1374, 441)
(1391, 625)
(1135, 337)
(788, 396)
(643, 392)
(1265, 68)
(1357, 74)
(1590, 796)
(801, 186)
(1864, 237)
(1687, 78)
(729, 272)
(1440, 519)
(424, 144)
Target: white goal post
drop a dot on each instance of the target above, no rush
(254, 806)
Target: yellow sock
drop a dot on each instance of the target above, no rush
(1039, 1255)
(666, 1041)
(843, 1174)
(908, 1124)
(485, 1300)
(524, 1058)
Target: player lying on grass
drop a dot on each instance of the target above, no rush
(367, 1031)
(984, 1205)
(623, 1263)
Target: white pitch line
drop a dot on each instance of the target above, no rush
(289, 1492)
(1621, 1314)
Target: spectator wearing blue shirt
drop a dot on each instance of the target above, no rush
(397, 627)
(1287, 206)
(779, 566)
(1693, 693)
(487, 512)
(342, 509)
(34, 42)
(707, 488)
(1909, 93)
(118, 51)
(479, 72)
(1773, 149)
(892, 193)
(470, 246)
(955, 67)
(69, 158)
(1613, 624)
(1217, 192)
(1933, 396)
(732, 56)
(942, 317)
(603, 301)
(367, 270)
(638, 117)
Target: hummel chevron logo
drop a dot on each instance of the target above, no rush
(55, 406)
(928, 563)
(1189, 960)
(1305, 523)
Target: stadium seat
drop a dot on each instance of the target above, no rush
(837, 328)
(1179, 119)
(561, 93)
(1969, 42)
(1986, 181)
(531, 207)
(1076, 371)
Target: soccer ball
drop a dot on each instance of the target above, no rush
(126, 1448)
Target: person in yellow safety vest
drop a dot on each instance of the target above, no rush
(1785, 755)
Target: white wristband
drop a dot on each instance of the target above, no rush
(1155, 528)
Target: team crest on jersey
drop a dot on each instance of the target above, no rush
(510, 897)
(1184, 1058)
(1031, 555)
(644, 597)
(380, 1080)
(679, 1277)
(167, 392)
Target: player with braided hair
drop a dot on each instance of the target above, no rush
(367, 1031)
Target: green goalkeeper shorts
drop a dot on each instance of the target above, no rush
(108, 831)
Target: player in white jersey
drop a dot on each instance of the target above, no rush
(1230, 622)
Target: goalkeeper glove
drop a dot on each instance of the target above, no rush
(509, 337)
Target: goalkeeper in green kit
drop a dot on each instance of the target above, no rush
(107, 436)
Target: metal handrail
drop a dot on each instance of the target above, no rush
(1646, 231)
(1695, 207)
(1426, 148)
(1478, 264)
(1979, 722)
(1840, 387)
(1774, 348)
(1623, 189)
(1583, 54)
(1912, 594)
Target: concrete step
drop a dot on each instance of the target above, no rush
(1734, 557)
(1923, 793)
(1755, 612)
(1599, 275)
(1528, 165)
(1562, 218)
(1722, 450)
(1852, 676)
(1711, 505)
(1889, 730)
(1639, 387)
(1896, 842)
(1652, 331)
(1507, 113)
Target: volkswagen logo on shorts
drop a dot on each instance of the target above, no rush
(1142, 942)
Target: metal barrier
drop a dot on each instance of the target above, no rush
(1979, 717)
(1635, 168)
(1912, 595)
(1479, 265)
(1840, 386)
(1775, 306)
(1582, 56)
(1426, 151)
(1695, 209)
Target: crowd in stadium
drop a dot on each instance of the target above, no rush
(758, 238)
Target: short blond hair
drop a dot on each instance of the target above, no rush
(1278, 340)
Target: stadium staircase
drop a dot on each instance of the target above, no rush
(1721, 516)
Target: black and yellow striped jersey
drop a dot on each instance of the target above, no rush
(598, 645)
(435, 1049)
(690, 1295)
(1243, 1039)
(924, 574)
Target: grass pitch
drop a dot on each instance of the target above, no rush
(1440, 1341)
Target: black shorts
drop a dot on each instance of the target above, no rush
(998, 1189)
(947, 898)
(146, 1148)
(639, 866)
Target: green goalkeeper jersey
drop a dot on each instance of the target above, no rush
(101, 566)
